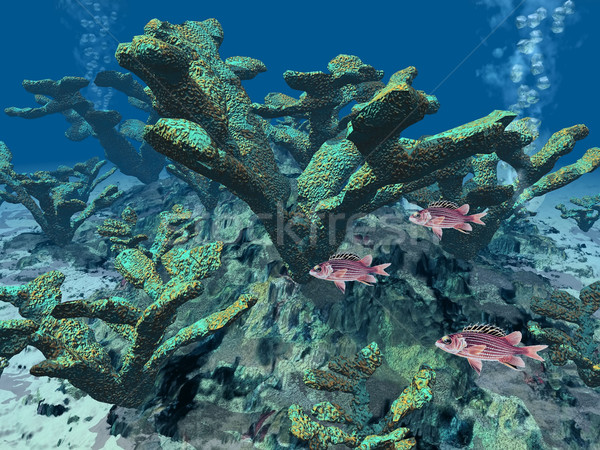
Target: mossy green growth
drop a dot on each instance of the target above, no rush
(350, 376)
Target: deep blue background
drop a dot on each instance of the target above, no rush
(39, 40)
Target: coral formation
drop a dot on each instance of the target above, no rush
(69, 343)
(578, 345)
(586, 217)
(503, 200)
(351, 376)
(209, 128)
(63, 96)
(51, 196)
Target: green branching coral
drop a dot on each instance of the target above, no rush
(63, 96)
(349, 80)
(483, 191)
(578, 345)
(350, 376)
(175, 227)
(58, 198)
(69, 344)
(585, 217)
(206, 189)
(209, 128)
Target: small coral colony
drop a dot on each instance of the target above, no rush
(200, 117)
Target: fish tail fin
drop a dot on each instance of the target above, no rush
(476, 218)
(531, 351)
(379, 270)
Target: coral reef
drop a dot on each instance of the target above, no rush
(314, 118)
(63, 96)
(206, 189)
(209, 127)
(586, 217)
(578, 345)
(51, 196)
(69, 343)
(503, 200)
(352, 378)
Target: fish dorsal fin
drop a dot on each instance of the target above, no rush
(367, 260)
(346, 256)
(514, 338)
(492, 330)
(443, 204)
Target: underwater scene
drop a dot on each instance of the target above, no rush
(300, 225)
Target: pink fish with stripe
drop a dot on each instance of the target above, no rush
(344, 267)
(445, 214)
(489, 343)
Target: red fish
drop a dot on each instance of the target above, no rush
(348, 267)
(445, 214)
(490, 343)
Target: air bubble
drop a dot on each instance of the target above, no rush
(537, 68)
(558, 26)
(532, 96)
(542, 12)
(543, 83)
(107, 59)
(569, 7)
(559, 13)
(536, 36)
(533, 20)
(537, 65)
(497, 53)
(526, 46)
(516, 73)
(97, 7)
(522, 92)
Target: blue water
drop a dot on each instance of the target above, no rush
(475, 56)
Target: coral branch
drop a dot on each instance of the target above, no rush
(364, 434)
(579, 346)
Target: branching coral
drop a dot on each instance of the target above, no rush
(578, 346)
(483, 190)
(69, 344)
(63, 96)
(58, 198)
(209, 128)
(350, 377)
(586, 217)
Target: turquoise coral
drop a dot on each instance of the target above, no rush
(209, 128)
(578, 346)
(585, 217)
(350, 376)
(52, 197)
(63, 96)
(502, 201)
(69, 345)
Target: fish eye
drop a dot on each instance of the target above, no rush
(317, 268)
(446, 340)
